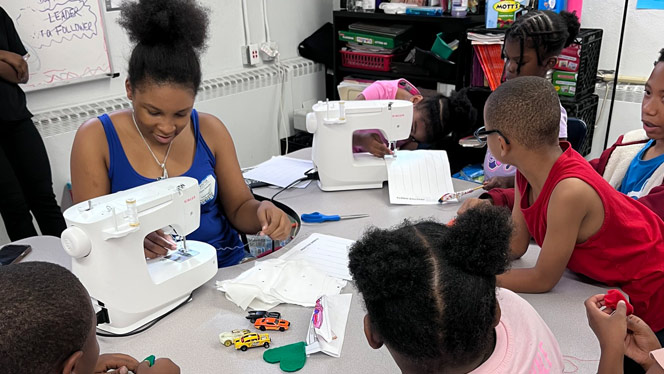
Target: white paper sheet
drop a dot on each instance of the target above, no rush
(324, 252)
(418, 177)
(280, 171)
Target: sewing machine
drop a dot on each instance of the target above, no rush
(105, 240)
(333, 124)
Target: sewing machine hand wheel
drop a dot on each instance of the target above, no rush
(75, 242)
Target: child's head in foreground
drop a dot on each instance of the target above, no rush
(46, 321)
(523, 112)
(534, 41)
(652, 106)
(430, 289)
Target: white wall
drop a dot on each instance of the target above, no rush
(290, 22)
(641, 44)
(251, 116)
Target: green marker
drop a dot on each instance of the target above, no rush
(150, 360)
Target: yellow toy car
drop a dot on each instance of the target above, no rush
(226, 338)
(252, 340)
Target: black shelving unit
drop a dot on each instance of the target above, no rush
(423, 35)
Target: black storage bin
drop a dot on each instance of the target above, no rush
(591, 43)
(584, 108)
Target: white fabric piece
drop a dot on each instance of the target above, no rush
(272, 282)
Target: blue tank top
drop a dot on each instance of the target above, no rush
(214, 227)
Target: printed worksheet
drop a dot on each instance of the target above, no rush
(327, 253)
(418, 177)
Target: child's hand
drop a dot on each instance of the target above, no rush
(274, 222)
(473, 203)
(640, 341)
(609, 326)
(119, 363)
(371, 143)
(499, 182)
(157, 244)
(160, 366)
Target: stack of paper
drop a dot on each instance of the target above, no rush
(418, 177)
(280, 171)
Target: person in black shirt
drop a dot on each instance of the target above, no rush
(25, 173)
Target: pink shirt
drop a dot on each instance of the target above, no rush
(385, 90)
(524, 343)
(494, 168)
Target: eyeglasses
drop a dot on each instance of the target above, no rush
(482, 133)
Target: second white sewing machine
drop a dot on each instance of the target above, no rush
(105, 239)
(333, 124)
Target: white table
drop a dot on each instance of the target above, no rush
(189, 335)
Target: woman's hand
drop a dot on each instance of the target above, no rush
(499, 182)
(157, 244)
(119, 363)
(371, 143)
(160, 366)
(274, 222)
(18, 63)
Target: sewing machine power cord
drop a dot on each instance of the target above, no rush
(146, 326)
(309, 174)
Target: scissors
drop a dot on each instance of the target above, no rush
(317, 217)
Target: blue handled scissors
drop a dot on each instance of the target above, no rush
(317, 217)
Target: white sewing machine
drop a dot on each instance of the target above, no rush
(333, 124)
(105, 239)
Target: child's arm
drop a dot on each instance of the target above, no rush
(520, 236)
(569, 206)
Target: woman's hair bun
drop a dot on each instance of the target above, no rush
(573, 26)
(170, 22)
(479, 241)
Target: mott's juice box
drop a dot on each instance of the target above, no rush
(502, 13)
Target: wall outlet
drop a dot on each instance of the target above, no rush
(250, 54)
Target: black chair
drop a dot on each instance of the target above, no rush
(577, 130)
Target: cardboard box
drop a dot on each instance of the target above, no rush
(502, 13)
(569, 59)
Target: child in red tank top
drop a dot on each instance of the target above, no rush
(578, 219)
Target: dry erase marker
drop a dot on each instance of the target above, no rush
(26, 57)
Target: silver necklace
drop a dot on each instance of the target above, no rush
(162, 165)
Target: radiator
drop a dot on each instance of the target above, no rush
(63, 120)
(626, 113)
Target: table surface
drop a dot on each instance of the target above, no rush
(189, 336)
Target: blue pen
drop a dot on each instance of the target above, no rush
(317, 217)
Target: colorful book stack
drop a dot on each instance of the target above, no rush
(372, 47)
(487, 48)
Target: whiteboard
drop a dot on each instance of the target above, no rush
(65, 39)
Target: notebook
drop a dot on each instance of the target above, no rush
(418, 177)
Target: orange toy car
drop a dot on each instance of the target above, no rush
(271, 324)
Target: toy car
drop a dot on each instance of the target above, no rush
(256, 314)
(271, 324)
(226, 338)
(252, 340)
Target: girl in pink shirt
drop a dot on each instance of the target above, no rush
(434, 117)
(431, 298)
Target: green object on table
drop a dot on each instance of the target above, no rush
(150, 360)
(290, 357)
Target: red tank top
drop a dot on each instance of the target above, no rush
(627, 251)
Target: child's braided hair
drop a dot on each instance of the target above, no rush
(545, 31)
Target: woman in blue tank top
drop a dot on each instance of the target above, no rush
(162, 135)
